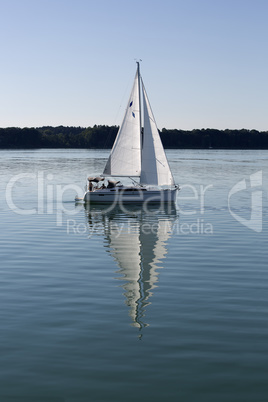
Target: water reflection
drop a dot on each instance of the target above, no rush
(137, 242)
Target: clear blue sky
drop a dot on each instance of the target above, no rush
(71, 62)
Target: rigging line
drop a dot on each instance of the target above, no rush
(117, 113)
(143, 86)
(151, 117)
(122, 100)
(160, 162)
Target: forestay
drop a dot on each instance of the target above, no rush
(154, 167)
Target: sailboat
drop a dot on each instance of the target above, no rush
(136, 153)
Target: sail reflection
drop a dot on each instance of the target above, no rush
(137, 241)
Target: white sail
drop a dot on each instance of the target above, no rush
(125, 156)
(154, 167)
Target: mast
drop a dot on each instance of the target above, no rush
(139, 90)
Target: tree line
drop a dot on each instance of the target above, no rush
(101, 136)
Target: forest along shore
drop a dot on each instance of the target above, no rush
(101, 136)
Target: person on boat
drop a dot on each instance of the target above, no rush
(112, 184)
(90, 186)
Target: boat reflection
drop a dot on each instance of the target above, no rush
(137, 241)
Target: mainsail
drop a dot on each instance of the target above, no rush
(125, 156)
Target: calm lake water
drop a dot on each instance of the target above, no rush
(130, 305)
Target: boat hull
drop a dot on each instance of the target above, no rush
(134, 196)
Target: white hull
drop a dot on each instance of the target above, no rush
(130, 195)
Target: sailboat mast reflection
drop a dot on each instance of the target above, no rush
(137, 242)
